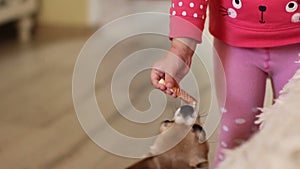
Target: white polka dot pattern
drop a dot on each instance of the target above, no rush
(191, 8)
(240, 121)
(225, 128)
(254, 109)
(180, 3)
(223, 110)
(192, 5)
(224, 144)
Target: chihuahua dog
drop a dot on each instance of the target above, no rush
(190, 152)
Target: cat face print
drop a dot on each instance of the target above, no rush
(263, 12)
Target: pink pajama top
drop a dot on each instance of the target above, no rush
(242, 23)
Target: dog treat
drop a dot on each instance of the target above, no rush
(181, 94)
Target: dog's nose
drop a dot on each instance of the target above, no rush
(262, 8)
(186, 110)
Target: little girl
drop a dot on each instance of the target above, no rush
(254, 39)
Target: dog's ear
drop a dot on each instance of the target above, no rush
(200, 133)
(147, 163)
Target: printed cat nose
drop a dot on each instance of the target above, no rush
(262, 8)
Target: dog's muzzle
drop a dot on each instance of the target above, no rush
(185, 115)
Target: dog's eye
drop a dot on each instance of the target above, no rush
(168, 121)
(292, 6)
(237, 4)
(166, 124)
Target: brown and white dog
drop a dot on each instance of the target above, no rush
(191, 150)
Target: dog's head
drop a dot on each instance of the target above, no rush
(191, 152)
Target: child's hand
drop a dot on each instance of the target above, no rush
(173, 66)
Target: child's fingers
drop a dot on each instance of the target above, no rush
(170, 84)
(155, 76)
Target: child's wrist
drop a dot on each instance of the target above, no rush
(183, 47)
(188, 42)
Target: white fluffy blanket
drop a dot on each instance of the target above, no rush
(277, 144)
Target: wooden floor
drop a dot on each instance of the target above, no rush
(38, 125)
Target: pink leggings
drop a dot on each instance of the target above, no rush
(246, 71)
